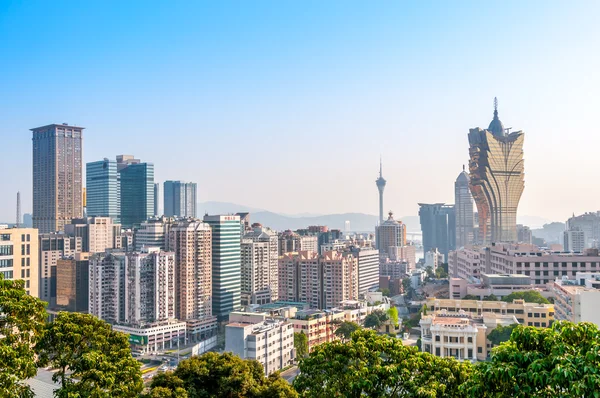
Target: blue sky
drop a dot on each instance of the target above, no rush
(288, 105)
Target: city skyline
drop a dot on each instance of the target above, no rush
(415, 100)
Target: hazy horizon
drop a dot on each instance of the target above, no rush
(287, 107)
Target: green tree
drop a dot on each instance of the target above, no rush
(501, 334)
(345, 330)
(441, 272)
(375, 319)
(471, 297)
(301, 344)
(530, 296)
(22, 319)
(376, 366)
(92, 359)
(222, 376)
(166, 385)
(385, 292)
(561, 361)
(491, 297)
(393, 315)
(429, 271)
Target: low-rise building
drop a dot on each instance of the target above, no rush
(499, 285)
(269, 341)
(576, 303)
(460, 335)
(528, 314)
(318, 326)
(154, 337)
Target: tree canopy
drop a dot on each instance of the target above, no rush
(370, 365)
(393, 315)
(561, 361)
(501, 334)
(530, 296)
(441, 272)
(301, 344)
(220, 376)
(345, 330)
(92, 359)
(375, 319)
(22, 319)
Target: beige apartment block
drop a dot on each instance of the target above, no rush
(19, 257)
(318, 326)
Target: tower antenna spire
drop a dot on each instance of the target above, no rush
(495, 105)
(380, 167)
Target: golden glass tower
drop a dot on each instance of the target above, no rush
(496, 169)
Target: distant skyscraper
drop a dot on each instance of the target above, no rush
(180, 199)
(157, 211)
(574, 241)
(463, 205)
(102, 190)
(438, 225)
(380, 187)
(497, 179)
(137, 190)
(589, 224)
(524, 234)
(226, 264)
(57, 173)
(390, 233)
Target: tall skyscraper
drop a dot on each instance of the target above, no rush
(438, 225)
(463, 206)
(260, 253)
(497, 181)
(180, 199)
(137, 190)
(102, 190)
(390, 233)
(57, 174)
(226, 264)
(380, 187)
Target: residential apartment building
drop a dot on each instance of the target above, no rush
(153, 232)
(465, 263)
(57, 176)
(323, 281)
(368, 268)
(499, 285)
(270, 342)
(192, 242)
(226, 264)
(528, 314)
(575, 302)
(292, 242)
(574, 241)
(97, 233)
(260, 268)
(390, 233)
(318, 326)
(52, 247)
(179, 199)
(406, 254)
(394, 269)
(19, 257)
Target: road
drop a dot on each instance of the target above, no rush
(290, 374)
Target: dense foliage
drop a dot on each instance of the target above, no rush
(561, 361)
(22, 319)
(501, 334)
(393, 315)
(301, 344)
(345, 330)
(371, 365)
(220, 376)
(92, 359)
(530, 296)
(375, 319)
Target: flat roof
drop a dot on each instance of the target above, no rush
(56, 125)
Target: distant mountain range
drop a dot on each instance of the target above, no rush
(358, 221)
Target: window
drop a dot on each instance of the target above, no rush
(543, 315)
(536, 315)
(437, 338)
(5, 237)
(537, 264)
(469, 340)
(22, 250)
(6, 250)
(28, 247)
(23, 238)
(470, 354)
(437, 351)
(536, 324)
(480, 350)
(28, 237)
(545, 264)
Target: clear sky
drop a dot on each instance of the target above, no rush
(287, 105)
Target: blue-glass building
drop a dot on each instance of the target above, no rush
(137, 193)
(102, 190)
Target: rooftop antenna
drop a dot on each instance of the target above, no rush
(495, 104)
(18, 223)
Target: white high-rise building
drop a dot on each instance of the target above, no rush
(463, 207)
(260, 269)
(574, 241)
(97, 233)
(368, 268)
(153, 233)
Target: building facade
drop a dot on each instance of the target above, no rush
(57, 176)
(368, 268)
(157, 211)
(574, 241)
(226, 263)
(463, 207)
(574, 302)
(496, 169)
(137, 191)
(52, 247)
(179, 199)
(153, 232)
(97, 234)
(103, 190)
(589, 223)
(390, 233)
(438, 225)
(19, 257)
(72, 283)
(260, 267)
